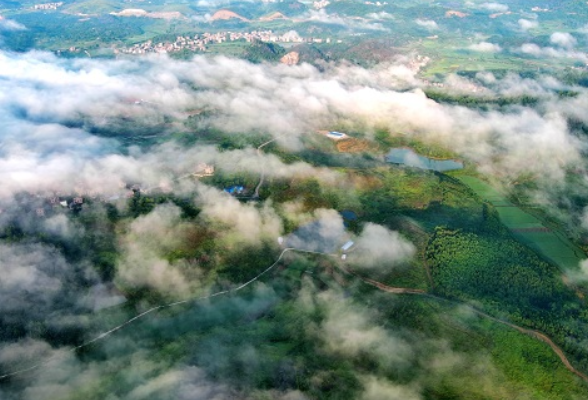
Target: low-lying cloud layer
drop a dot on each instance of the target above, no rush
(526, 24)
(427, 23)
(47, 93)
(378, 247)
(54, 112)
(324, 234)
(10, 25)
(485, 47)
(52, 109)
(324, 17)
(494, 7)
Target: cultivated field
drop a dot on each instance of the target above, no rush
(528, 228)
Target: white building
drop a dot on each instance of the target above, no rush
(336, 135)
(347, 245)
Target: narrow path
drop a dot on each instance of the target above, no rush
(262, 176)
(381, 286)
(540, 336)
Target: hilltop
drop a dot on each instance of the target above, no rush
(227, 14)
(273, 16)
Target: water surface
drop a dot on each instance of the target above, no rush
(409, 158)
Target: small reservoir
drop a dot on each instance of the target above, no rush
(408, 157)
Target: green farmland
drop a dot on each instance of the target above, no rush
(527, 228)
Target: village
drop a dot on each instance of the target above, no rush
(47, 6)
(46, 202)
(199, 42)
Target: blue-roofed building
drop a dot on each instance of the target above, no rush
(235, 190)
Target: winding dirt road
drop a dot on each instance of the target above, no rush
(383, 287)
(540, 336)
(529, 332)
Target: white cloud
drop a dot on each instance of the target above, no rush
(40, 96)
(351, 23)
(212, 4)
(239, 222)
(144, 253)
(32, 277)
(60, 225)
(202, 18)
(526, 24)
(563, 39)
(533, 49)
(378, 247)
(325, 233)
(427, 23)
(380, 15)
(376, 388)
(580, 275)
(25, 351)
(485, 47)
(352, 331)
(11, 25)
(494, 7)
(189, 383)
(40, 93)
(551, 52)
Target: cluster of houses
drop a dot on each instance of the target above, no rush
(376, 3)
(47, 6)
(203, 170)
(419, 61)
(75, 202)
(43, 205)
(199, 42)
(47, 201)
(320, 4)
(235, 190)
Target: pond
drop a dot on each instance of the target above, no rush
(409, 158)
